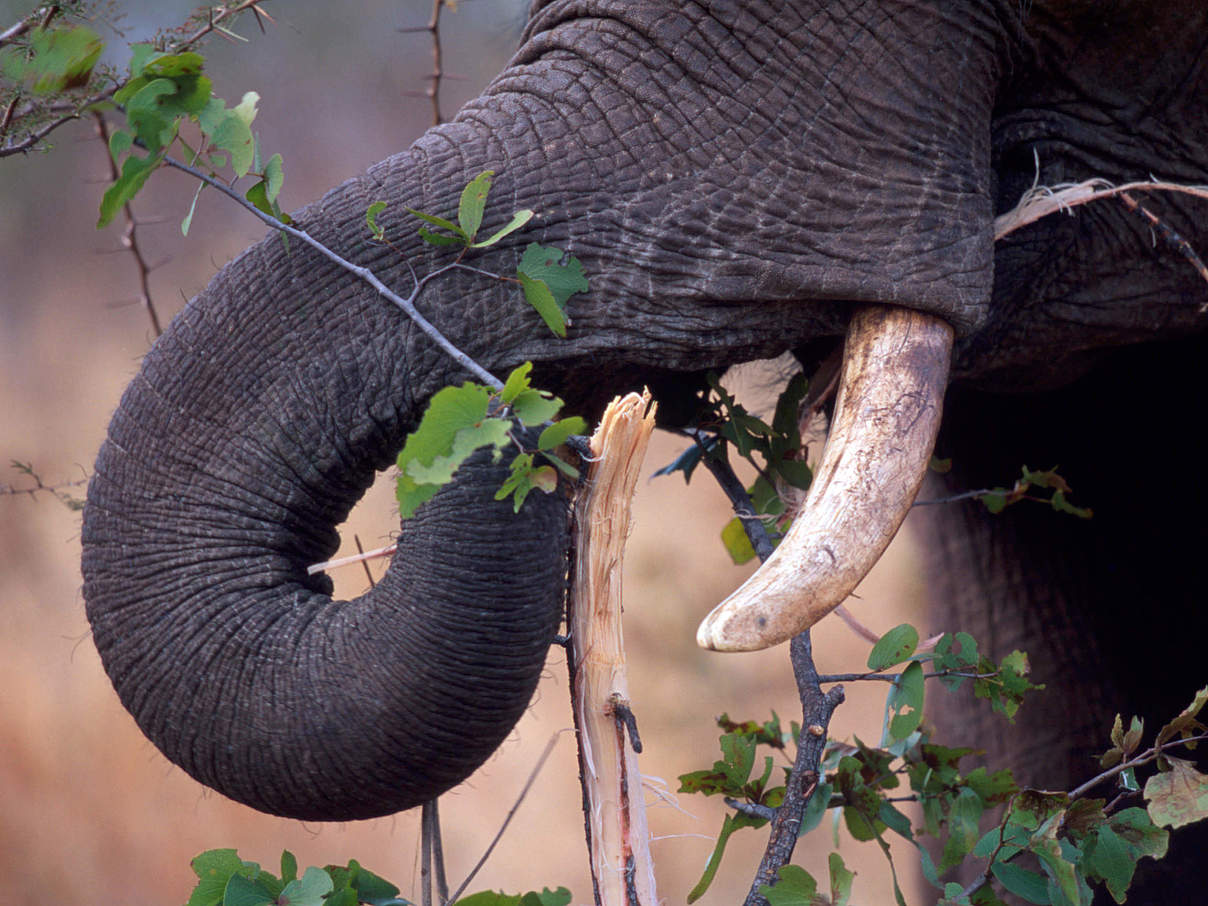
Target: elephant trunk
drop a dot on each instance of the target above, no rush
(254, 425)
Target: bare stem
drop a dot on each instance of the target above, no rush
(549, 747)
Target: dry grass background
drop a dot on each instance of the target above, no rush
(89, 811)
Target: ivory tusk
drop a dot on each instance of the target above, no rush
(895, 371)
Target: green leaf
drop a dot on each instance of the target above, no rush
(1026, 885)
(562, 279)
(794, 887)
(274, 176)
(728, 827)
(491, 432)
(473, 202)
(120, 141)
(963, 816)
(441, 223)
(840, 880)
(154, 127)
(535, 407)
(243, 892)
(371, 213)
(517, 381)
(1112, 860)
(737, 543)
(524, 478)
(538, 295)
(1133, 825)
(438, 238)
(450, 411)
(172, 66)
(214, 868)
(188, 221)
(519, 219)
(289, 866)
(258, 196)
(135, 171)
(904, 706)
(309, 890)
(62, 57)
(140, 55)
(894, 647)
(557, 433)
(233, 135)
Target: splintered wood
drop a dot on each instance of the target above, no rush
(613, 796)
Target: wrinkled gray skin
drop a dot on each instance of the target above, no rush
(734, 177)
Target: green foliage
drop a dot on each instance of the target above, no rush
(780, 464)
(547, 897)
(461, 420)
(56, 59)
(547, 276)
(165, 91)
(998, 499)
(1047, 848)
(1004, 684)
(223, 879)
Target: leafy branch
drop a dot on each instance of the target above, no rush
(51, 71)
(223, 879)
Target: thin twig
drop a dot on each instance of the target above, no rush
(364, 560)
(406, 304)
(437, 72)
(549, 747)
(130, 234)
(1172, 238)
(1041, 201)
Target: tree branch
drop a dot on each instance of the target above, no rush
(407, 305)
(816, 708)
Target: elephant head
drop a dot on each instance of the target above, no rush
(738, 179)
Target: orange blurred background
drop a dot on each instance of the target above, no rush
(89, 811)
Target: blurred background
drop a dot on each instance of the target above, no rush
(89, 810)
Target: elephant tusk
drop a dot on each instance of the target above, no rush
(895, 371)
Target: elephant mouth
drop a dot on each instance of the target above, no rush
(887, 413)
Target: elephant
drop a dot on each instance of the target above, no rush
(739, 180)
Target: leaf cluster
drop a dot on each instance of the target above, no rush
(861, 783)
(547, 277)
(223, 879)
(58, 58)
(164, 91)
(781, 459)
(1047, 848)
(998, 499)
(462, 420)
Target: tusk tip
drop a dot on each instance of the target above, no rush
(731, 627)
